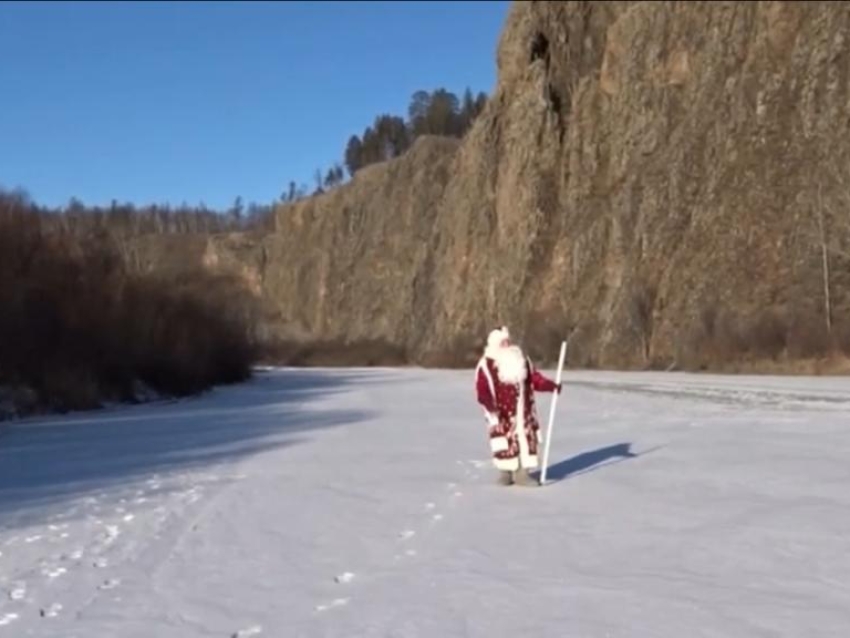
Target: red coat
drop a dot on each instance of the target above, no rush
(502, 402)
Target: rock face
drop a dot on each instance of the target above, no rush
(667, 180)
(355, 264)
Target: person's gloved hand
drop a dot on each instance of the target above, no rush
(492, 419)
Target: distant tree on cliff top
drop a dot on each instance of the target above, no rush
(439, 112)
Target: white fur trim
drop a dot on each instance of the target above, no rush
(526, 458)
(507, 465)
(498, 444)
(530, 461)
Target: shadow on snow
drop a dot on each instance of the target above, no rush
(47, 461)
(592, 460)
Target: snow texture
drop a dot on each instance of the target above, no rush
(338, 503)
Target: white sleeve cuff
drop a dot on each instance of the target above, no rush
(498, 444)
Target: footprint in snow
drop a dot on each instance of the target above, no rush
(344, 578)
(192, 497)
(245, 633)
(407, 534)
(111, 583)
(109, 536)
(75, 555)
(410, 553)
(437, 517)
(52, 611)
(100, 563)
(19, 591)
(53, 574)
(337, 602)
(8, 619)
(453, 488)
(32, 539)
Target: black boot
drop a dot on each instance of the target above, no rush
(523, 478)
(505, 478)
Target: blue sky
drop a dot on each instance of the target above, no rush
(206, 101)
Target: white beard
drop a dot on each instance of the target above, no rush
(511, 365)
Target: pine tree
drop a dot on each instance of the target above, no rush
(353, 155)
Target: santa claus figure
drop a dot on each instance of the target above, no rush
(505, 382)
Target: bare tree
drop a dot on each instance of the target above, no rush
(824, 260)
(641, 315)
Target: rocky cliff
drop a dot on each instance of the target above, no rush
(667, 181)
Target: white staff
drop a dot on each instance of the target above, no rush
(552, 414)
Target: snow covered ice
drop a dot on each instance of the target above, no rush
(361, 503)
